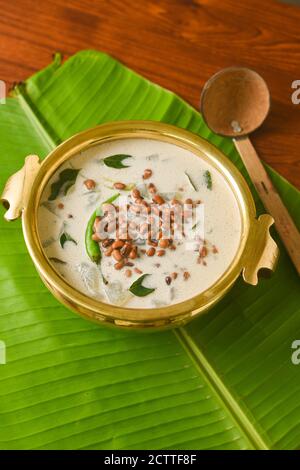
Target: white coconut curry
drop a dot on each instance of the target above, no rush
(139, 223)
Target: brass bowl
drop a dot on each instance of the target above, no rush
(257, 249)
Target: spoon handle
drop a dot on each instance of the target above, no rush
(284, 224)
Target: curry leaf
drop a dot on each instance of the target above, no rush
(208, 179)
(65, 180)
(65, 237)
(138, 289)
(116, 161)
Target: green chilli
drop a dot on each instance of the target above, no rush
(92, 247)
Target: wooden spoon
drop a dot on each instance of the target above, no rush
(234, 103)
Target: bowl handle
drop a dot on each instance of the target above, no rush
(17, 189)
(263, 252)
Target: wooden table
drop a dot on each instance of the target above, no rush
(176, 43)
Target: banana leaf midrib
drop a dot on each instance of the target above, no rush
(228, 400)
(34, 116)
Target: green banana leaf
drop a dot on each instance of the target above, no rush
(226, 381)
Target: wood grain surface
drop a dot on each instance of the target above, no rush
(176, 43)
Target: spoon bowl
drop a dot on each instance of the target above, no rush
(235, 101)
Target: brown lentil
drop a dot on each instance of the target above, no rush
(164, 242)
(135, 193)
(158, 199)
(152, 188)
(119, 185)
(126, 249)
(109, 251)
(89, 184)
(128, 273)
(161, 252)
(117, 244)
(151, 251)
(152, 243)
(119, 265)
(107, 242)
(133, 253)
(147, 173)
(139, 201)
(175, 202)
(188, 201)
(117, 255)
(168, 280)
(203, 252)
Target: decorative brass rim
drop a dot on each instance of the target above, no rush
(158, 317)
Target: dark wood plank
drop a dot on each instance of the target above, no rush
(177, 43)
